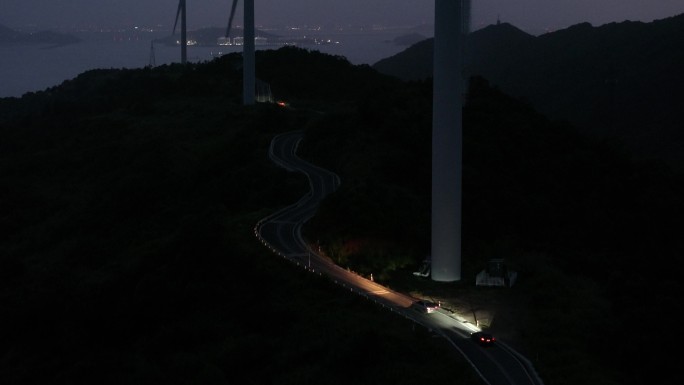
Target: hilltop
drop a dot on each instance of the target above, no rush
(618, 80)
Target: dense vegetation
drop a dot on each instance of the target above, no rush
(618, 80)
(127, 254)
(591, 231)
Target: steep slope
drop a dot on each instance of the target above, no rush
(127, 252)
(583, 224)
(415, 62)
(620, 79)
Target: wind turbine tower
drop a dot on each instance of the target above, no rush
(452, 21)
(182, 12)
(153, 59)
(248, 51)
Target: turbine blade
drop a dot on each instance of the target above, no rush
(232, 15)
(180, 8)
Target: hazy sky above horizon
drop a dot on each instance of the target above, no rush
(529, 15)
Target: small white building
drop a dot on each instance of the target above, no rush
(496, 274)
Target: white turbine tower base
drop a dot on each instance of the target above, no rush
(451, 22)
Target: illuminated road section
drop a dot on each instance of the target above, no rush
(281, 232)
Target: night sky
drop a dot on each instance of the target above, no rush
(530, 15)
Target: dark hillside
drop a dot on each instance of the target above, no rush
(319, 77)
(620, 80)
(413, 63)
(575, 216)
(127, 253)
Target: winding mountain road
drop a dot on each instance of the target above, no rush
(281, 232)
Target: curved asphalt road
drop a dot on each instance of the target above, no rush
(281, 232)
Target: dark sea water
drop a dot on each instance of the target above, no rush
(30, 68)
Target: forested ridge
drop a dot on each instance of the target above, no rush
(617, 80)
(129, 198)
(590, 230)
(127, 252)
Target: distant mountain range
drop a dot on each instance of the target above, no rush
(11, 36)
(621, 80)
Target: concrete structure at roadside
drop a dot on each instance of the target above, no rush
(496, 274)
